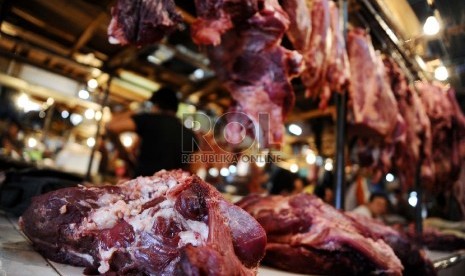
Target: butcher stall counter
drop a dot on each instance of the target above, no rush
(18, 258)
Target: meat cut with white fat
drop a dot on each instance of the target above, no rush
(169, 224)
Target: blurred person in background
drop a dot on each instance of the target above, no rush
(10, 140)
(376, 207)
(163, 138)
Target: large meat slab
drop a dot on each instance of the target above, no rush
(169, 224)
(306, 235)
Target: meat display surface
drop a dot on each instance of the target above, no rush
(142, 21)
(170, 223)
(306, 235)
(243, 39)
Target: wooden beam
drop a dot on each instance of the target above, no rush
(88, 33)
(40, 23)
(187, 17)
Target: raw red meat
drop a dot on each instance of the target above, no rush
(338, 72)
(170, 223)
(306, 235)
(372, 103)
(434, 239)
(300, 27)
(417, 146)
(248, 59)
(447, 129)
(316, 55)
(413, 258)
(142, 21)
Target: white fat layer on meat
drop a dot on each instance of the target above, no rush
(84, 256)
(63, 209)
(105, 256)
(107, 199)
(112, 208)
(106, 217)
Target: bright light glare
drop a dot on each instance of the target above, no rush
(413, 199)
(83, 94)
(389, 177)
(98, 115)
(89, 114)
(90, 142)
(295, 129)
(76, 119)
(92, 83)
(311, 158)
(126, 140)
(213, 172)
(64, 114)
(232, 169)
(31, 142)
(329, 166)
(431, 26)
(224, 172)
(440, 73)
(22, 101)
(50, 101)
(26, 104)
(294, 168)
(260, 162)
(199, 73)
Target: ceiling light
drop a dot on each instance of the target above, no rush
(92, 83)
(294, 168)
(213, 172)
(50, 101)
(389, 177)
(310, 158)
(413, 199)
(98, 115)
(83, 94)
(31, 142)
(224, 172)
(89, 114)
(232, 169)
(431, 26)
(126, 140)
(440, 73)
(75, 119)
(295, 129)
(90, 142)
(64, 114)
(260, 161)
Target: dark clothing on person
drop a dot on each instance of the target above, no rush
(163, 142)
(282, 181)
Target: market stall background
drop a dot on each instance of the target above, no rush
(92, 77)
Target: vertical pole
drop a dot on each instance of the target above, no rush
(419, 190)
(103, 103)
(341, 100)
